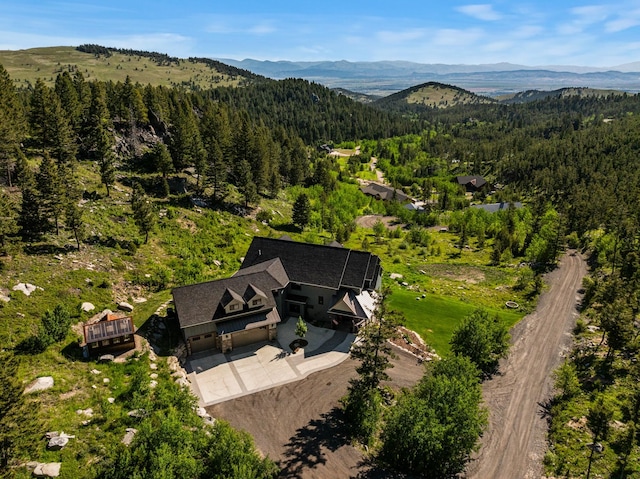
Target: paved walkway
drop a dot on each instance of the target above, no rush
(219, 377)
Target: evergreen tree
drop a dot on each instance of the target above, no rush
(55, 326)
(39, 115)
(301, 211)
(8, 219)
(11, 124)
(143, 215)
(246, 186)
(68, 94)
(103, 150)
(51, 190)
(162, 159)
(62, 140)
(216, 172)
(33, 223)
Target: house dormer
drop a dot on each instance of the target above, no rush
(232, 302)
(254, 297)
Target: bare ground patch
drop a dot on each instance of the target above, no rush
(367, 221)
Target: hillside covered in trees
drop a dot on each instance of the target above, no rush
(110, 168)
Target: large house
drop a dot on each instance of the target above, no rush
(385, 193)
(328, 285)
(472, 184)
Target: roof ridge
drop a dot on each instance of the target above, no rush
(344, 268)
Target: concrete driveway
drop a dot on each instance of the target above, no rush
(219, 377)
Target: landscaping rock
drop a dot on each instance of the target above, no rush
(87, 307)
(95, 371)
(395, 276)
(124, 306)
(39, 384)
(26, 288)
(106, 380)
(153, 366)
(106, 358)
(129, 435)
(111, 400)
(57, 442)
(48, 469)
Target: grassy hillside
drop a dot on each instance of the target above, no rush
(25, 66)
(534, 95)
(431, 95)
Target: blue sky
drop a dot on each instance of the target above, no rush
(534, 33)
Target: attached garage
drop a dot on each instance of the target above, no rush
(202, 342)
(249, 336)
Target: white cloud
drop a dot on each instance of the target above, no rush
(590, 14)
(481, 12)
(629, 20)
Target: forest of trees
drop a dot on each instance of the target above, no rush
(573, 161)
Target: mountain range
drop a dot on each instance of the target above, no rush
(387, 77)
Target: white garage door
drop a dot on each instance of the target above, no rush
(200, 343)
(242, 338)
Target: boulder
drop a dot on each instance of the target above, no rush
(86, 306)
(111, 400)
(106, 358)
(39, 384)
(395, 276)
(128, 436)
(85, 412)
(48, 469)
(26, 288)
(57, 442)
(124, 306)
(139, 300)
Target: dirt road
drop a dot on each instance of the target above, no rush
(299, 424)
(514, 444)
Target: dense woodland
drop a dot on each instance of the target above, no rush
(573, 161)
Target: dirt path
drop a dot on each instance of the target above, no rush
(299, 424)
(514, 443)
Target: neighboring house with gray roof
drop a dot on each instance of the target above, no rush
(385, 193)
(278, 278)
(472, 184)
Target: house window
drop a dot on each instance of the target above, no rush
(233, 307)
(94, 345)
(256, 302)
(320, 299)
(116, 340)
(207, 336)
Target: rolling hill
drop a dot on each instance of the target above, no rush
(431, 95)
(25, 66)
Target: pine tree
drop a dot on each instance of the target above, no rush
(216, 172)
(62, 142)
(162, 159)
(51, 190)
(301, 211)
(11, 123)
(33, 223)
(8, 219)
(39, 114)
(101, 138)
(143, 215)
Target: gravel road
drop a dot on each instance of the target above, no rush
(515, 442)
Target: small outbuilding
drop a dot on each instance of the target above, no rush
(110, 334)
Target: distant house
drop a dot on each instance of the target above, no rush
(472, 184)
(330, 285)
(495, 207)
(111, 333)
(384, 192)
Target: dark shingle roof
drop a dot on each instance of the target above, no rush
(201, 303)
(384, 192)
(313, 264)
(475, 181)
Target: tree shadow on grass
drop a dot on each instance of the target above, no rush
(306, 449)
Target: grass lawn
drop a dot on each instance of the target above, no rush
(435, 317)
